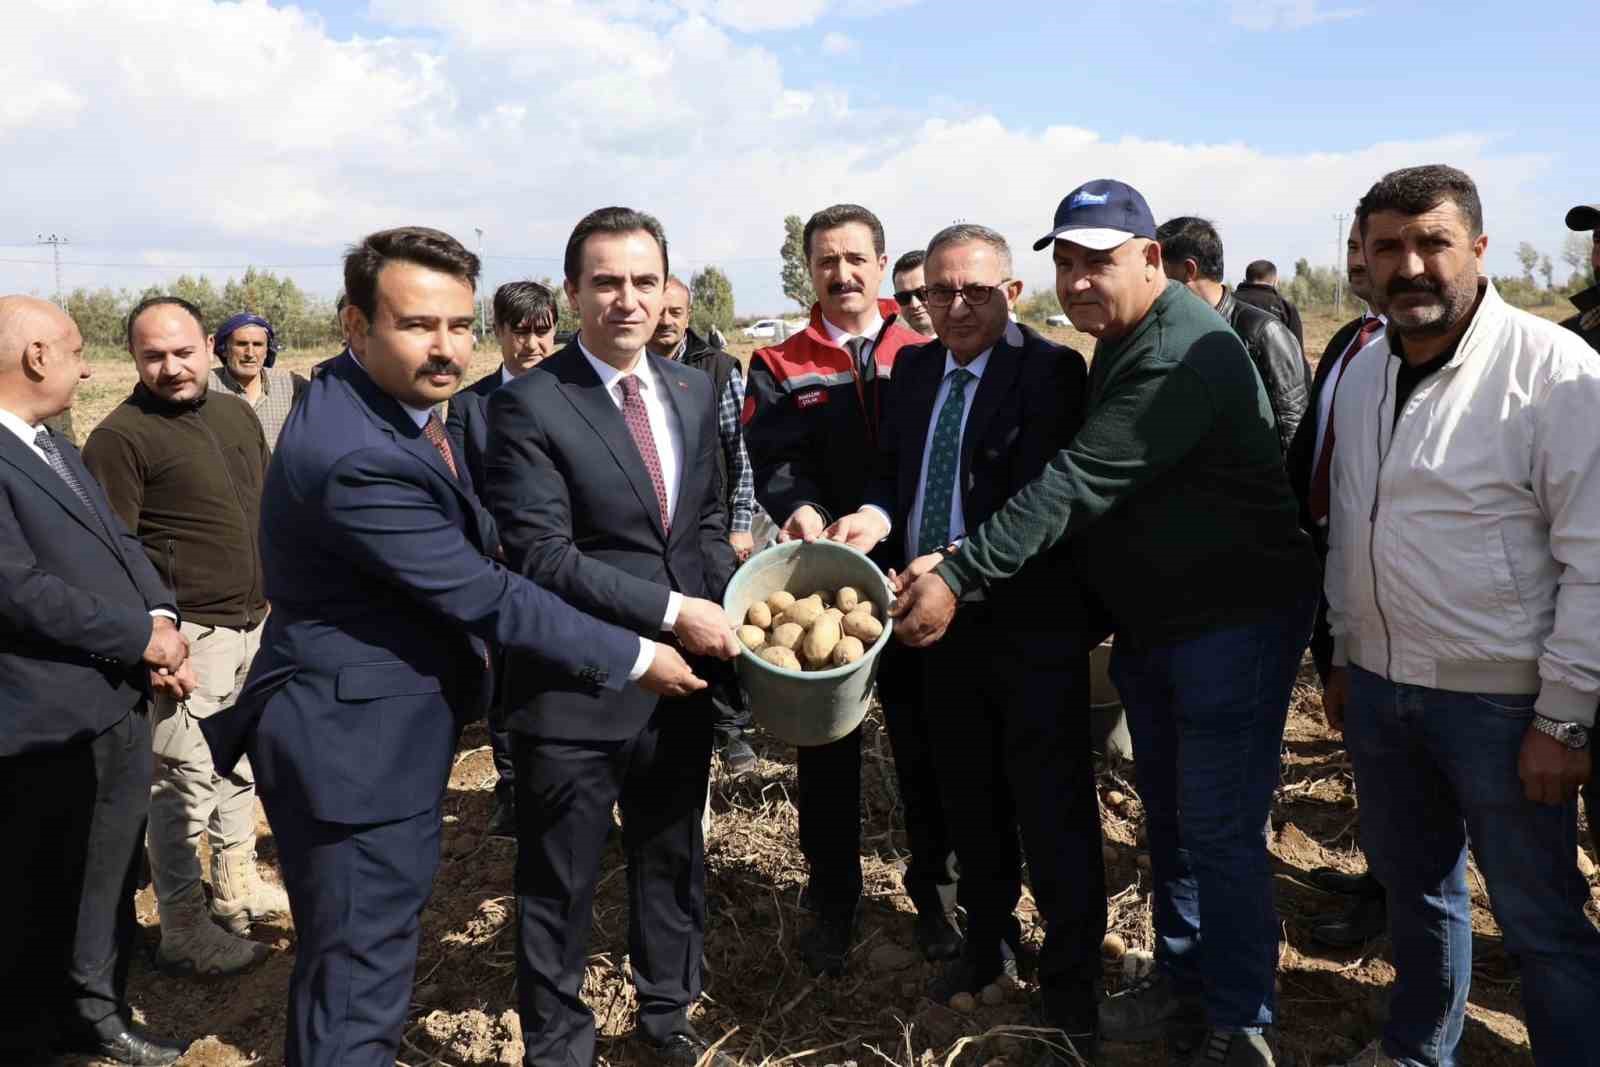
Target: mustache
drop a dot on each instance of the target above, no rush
(1419, 284)
(438, 366)
(840, 288)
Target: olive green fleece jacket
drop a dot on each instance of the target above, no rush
(1173, 492)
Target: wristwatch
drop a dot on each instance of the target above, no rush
(1573, 735)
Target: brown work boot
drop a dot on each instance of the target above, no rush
(191, 944)
(238, 895)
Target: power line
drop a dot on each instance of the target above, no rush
(55, 241)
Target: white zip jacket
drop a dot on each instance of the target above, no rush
(1464, 542)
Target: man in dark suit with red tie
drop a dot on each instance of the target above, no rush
(86, 629)
(385, 601)
(1309, 460)
(601, 472)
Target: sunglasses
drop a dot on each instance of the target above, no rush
(903, 297)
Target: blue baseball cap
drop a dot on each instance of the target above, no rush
(1101, 215)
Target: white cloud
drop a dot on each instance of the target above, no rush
(839, 44)
(258, 137)
(1288, 14)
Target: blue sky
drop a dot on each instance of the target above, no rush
(723, 115)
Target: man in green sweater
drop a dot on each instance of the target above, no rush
(1178, 511)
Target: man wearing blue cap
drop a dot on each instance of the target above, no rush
(247, 347)
(1174, 502)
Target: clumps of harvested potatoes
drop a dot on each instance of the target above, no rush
(812, 633)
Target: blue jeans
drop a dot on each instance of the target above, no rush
(1435, 769)
(1206, 715)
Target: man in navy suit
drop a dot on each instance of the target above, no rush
(86, 629)
(384, 604)
(525, 326)
(969, 421)
(602, 475)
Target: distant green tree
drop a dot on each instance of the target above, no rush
(1548, 269)
(1575, 254)
(1528, 256)
(566, 314)
(101, 314)
(711, 294)
(1038, 306)
(796, 272)
(198, 291)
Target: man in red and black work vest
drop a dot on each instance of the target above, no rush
(812, 407)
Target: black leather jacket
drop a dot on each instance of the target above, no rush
(1586, 323)
(1283, 367)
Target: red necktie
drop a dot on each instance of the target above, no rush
(1320, 493)
(638, 420)
(433, 430)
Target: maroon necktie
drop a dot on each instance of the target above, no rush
(1320, 494)
(433, 430)
(638, 420)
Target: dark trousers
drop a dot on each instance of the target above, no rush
(357, 894)
(830, 800)
(730, 717)
(505, 786)
(565, 792)
(72, 821)
(1009, 717)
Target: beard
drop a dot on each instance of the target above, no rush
(1452, 302)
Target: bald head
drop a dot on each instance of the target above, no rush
(41, 358)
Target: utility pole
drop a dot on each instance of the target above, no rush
(483, 307)
(1338, 267)
(55, 241)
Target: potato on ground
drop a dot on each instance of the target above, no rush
(860, 625)
(779, 656)
(759, 615)
(819, 642)
(753, 637)
(789, 635)
(848, 650)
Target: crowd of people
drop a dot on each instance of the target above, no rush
(253, 584)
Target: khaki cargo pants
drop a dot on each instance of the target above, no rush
(187, 796)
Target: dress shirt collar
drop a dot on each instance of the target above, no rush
(25, 433)
(505, 374)
(610, 376)
(975, 368)
(839, 337)
(418, 415)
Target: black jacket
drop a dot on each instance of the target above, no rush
(577, 514)
(1027, 407)
(1267, 298)
(1586, 323)
(1301, 462)
(1278, 358)
(76, 591)
(467, 423)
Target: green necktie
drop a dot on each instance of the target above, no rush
(944, 460)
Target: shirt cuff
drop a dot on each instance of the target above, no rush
(163, 613)
(1565, 704)
(887, 521)
(647, 655)
(674, 604)
(742, 521)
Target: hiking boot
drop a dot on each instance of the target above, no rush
(238, 895)
(1232, 1048)
(1367, 919)
(1371, 1056)
(1149, 1009)
(826, 945)
(191, 944)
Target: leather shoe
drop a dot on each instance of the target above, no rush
(128, 1045)
(826, 945)
(1367, 919)
(503, 823)
(1333, 880)
(687, 1050)
(968, 974)
(738, 758)
(937, 934)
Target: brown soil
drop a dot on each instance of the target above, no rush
(758, 996)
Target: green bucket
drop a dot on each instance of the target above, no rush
(814, 707)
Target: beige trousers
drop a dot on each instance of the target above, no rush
(187, 796)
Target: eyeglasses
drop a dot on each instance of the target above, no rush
(903, 297)
(942, 296)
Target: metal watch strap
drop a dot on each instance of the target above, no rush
(1560, 731)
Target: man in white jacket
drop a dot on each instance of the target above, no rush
(1463, 585)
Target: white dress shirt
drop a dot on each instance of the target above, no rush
(958, 519)
(29, 435)
(668, 433)
(840, 336)
(505, 374)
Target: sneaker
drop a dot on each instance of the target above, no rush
(1371, 1056)
(1233, 1048)
(1148, 1009)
